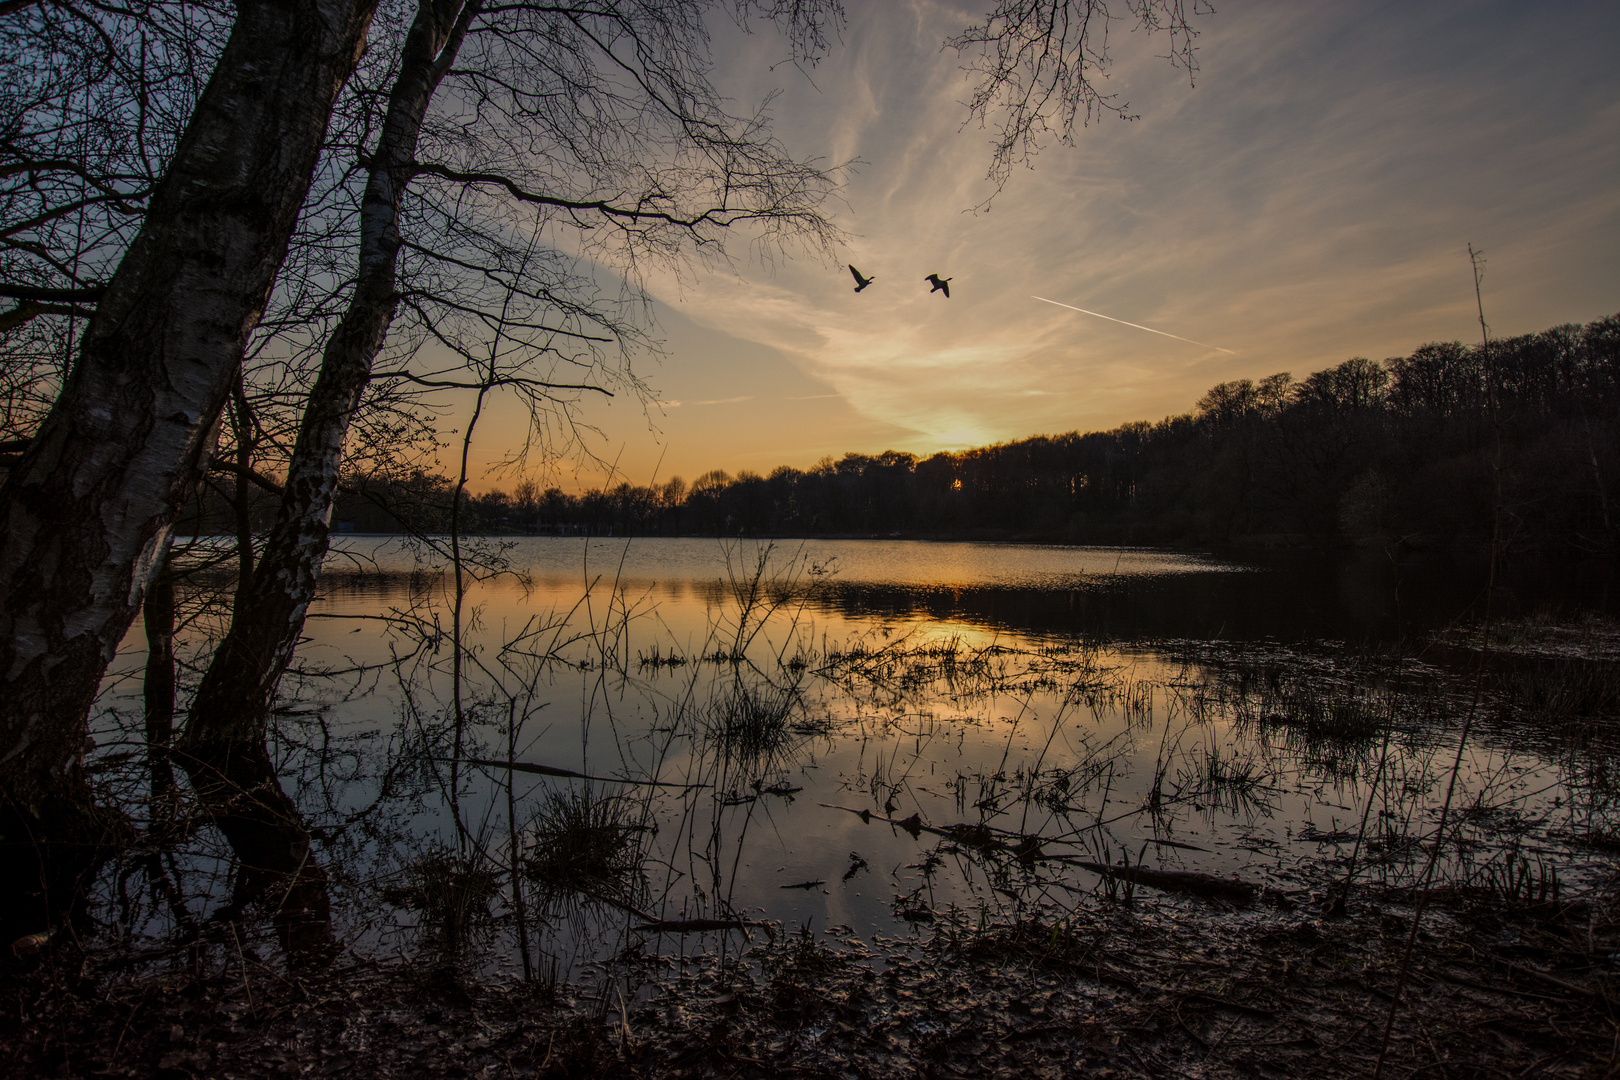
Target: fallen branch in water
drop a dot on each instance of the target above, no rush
(988, 836)
(549, 770)
(1231, 890)
(694, 926)
(977, 836)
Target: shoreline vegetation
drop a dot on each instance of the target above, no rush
(1147, 988)
(1363, 453)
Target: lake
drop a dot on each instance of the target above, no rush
(681, 744)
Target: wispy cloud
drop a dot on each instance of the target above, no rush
(709, 401)
(1309, 200)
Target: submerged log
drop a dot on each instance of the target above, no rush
(1231, 890)
(694, 926)
(551, 770)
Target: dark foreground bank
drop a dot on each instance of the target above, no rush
(1166, 987)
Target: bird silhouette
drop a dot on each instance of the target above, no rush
(939, 283)
(860, 282)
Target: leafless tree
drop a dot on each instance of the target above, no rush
(586, 136)
(518, 142)
(89, 507)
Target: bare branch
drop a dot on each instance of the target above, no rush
(722, 216)
(89, 293)
(1036, 64)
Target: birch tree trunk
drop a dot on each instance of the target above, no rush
(87, 513)
(223, 747)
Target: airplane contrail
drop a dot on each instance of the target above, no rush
(1138, 326)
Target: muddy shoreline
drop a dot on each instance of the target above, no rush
(1168, 986)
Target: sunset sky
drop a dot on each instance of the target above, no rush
(1309, 198)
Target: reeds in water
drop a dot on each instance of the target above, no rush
(451, 895)
(586, 845)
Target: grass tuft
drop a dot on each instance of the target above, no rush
(587, 845)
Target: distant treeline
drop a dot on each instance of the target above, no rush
(1403, 449)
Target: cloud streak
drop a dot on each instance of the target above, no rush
(1138, 326)
(675, 404)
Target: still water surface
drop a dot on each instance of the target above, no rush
(882, 735)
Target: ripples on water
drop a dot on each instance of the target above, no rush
(875, 735)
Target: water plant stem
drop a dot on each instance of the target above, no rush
(518, 906)
(1337, 904)
(460, 596)
(488, 382)
(1479, 671)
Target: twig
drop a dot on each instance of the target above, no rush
(1538, 1063)
(125, 1030)
(243, 960)
(1551, 980)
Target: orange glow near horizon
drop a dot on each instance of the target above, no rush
(1293, 206)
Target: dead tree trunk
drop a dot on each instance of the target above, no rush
(86, 515)
(223, 746)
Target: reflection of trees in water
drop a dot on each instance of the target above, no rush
(1076, 752)
(1361, 598)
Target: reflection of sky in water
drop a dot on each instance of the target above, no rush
(886, 562)
(951, 715)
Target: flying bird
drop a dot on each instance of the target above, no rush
(939, 283)
(860, 282)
